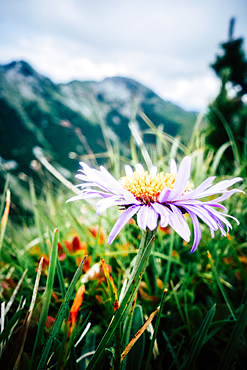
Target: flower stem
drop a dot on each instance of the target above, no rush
(138, 257)
(141, 262)
(132, 288)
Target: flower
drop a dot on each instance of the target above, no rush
(76, 246)
(158, 197)
(94, 232)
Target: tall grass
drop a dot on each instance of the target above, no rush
(202, 316)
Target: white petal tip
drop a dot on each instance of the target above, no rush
(173, 166)
(153, 171)
(128, 170)
(139, 168)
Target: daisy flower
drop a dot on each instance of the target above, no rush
(158, 197)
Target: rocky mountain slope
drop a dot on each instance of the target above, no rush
(74, 119)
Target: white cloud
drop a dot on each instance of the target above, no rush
(166, 45)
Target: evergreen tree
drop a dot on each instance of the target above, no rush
(228, 113)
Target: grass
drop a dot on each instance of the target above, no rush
(203, 315)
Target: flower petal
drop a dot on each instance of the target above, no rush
(139, 168)
(181, 228)
(163, 212)
(202, 187)
(128, 170)
(103, 204)
(164, 195)
(197, 231)
(173, 166)
(221, 187)
(184, 225)
(121, 221)
(129, 197)
(142, 217)
(91, 194)
(153, 171)
(226, 195)
(147, 217)
(110, 180)
(181, 179)
(102, 179)
(152, 218)
(204, 215)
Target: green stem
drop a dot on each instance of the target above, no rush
(168, 268)
(138, 257)
(139, 268)
(46, 299)
(118, 348)
(169, 262)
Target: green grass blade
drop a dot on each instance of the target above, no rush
(232, 344)
(137, 136)
(63, 292)
(230, 135)
(48, 222)
(155, 254)
(162, 136)
(245, 145)
(195, 132)
(133, 151)
(37, 217)
(170, 347)
(134, 357)
(218, 157)
(60, 316)
(24, 330)
(169, 261)
(11, 323)
(62, 348)
(46, 299)
(12, 298)
(223, 292)
(61, 278)
(199, 339)
(79, 332)
(126, 302)
(162, 303)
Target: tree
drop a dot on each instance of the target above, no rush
(228, 113)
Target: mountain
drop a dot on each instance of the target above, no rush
(74, 119)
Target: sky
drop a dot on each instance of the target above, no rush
(165, 45)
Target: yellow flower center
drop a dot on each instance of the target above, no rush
(146, 187)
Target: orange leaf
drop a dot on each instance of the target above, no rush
(94, 232)
(111, 285)
(6, 211)
(76, 304)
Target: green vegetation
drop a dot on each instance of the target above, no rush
(228, 113)
(202, 321)
(68, 299)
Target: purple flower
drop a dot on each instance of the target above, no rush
(158, 197)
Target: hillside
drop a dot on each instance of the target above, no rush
(66, 120)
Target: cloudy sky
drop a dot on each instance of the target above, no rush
(166, 45)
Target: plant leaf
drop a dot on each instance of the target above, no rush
(60, 316)
(111, 285)
(199, 339)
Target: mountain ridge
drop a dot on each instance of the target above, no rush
(65, 118)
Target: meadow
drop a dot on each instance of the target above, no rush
(64, 288)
